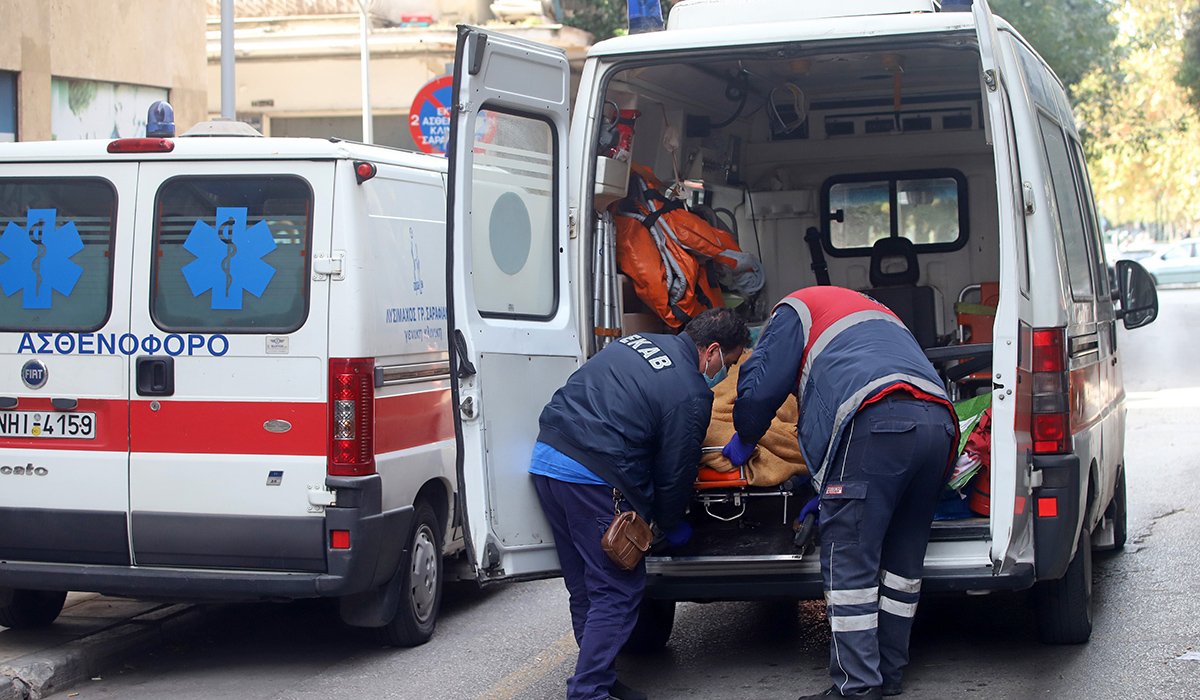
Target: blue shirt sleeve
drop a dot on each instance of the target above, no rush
(770, 373)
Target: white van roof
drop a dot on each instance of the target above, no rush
(695, 14)
(219, 148)
(720, 28)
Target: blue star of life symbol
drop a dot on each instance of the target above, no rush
(39, 258)
(229, 258)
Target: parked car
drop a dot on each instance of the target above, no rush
(1178, 263)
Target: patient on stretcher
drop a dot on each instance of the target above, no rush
(778, 455)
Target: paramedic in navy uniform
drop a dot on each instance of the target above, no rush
(876, 430)
(632, 418)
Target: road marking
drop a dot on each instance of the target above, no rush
(514, 683)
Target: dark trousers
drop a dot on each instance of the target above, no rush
(604, 599)
(877, 506)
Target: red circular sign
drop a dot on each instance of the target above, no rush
(429, 117)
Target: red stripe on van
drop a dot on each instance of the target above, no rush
(112, 426)
(227, 427)
(410, 420)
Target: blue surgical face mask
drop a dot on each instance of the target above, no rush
(716, 378)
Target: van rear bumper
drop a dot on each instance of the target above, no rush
(805, 582)
(377, 539)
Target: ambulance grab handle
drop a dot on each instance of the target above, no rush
(465, 368)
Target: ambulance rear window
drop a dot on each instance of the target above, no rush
(56, 253)
(231, 254)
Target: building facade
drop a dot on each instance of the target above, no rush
(86, 69)
(298, 69)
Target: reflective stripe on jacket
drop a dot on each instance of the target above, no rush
(836, 349)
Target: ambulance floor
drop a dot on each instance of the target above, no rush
(766, 539)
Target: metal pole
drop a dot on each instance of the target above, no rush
(228, 88)
(365, 25)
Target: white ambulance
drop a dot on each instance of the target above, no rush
(224, 375)
(926, 156)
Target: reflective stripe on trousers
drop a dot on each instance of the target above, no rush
(876, 510)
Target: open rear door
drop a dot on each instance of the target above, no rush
(510, 309)
(1011, 505)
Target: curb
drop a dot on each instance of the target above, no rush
(42, 673)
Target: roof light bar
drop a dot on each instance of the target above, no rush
(141, 146)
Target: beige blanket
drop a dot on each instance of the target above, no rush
(778, 454)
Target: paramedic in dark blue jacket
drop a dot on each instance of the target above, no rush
(876, 430)
(632, 419)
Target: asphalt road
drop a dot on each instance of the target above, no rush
(514, 641)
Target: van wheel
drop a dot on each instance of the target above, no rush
(1117, 513)
(653, 628)
(420, 584)
(1064, 606)
(30, 609)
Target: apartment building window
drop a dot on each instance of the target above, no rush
(8, 106)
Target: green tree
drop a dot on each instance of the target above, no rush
(1188, 76)
(1142, 152)
(1074, 36)
(603, 18)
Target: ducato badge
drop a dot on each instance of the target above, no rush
(34, 374)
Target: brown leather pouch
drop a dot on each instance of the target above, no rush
(628, 538)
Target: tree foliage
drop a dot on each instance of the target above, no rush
(1143, 151)
(1074, 36)
(603, 18)
(1188, 76)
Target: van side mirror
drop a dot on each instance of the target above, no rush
(1139, 298)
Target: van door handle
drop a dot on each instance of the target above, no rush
(156, 376)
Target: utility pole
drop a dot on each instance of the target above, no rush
(228, 88)
(368, 129)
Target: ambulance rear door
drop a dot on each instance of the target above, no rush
(66, 241)
(228, 421)
(1010, 496)
(511, 317)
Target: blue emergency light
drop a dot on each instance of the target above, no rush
(160, 121)
(644, 16)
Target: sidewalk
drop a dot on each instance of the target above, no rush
(92, 632)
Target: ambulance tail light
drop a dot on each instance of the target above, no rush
(1050, 408)
(351, 417)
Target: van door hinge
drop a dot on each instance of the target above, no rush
(325, 267)
(989, 79)
(320, 496)
(572, 224)
(1027, 194)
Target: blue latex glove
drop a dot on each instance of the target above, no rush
(813, 507)
(737, 451)
(680, 535)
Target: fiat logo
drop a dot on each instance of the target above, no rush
(34, 374)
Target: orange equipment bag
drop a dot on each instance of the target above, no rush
(669, 252)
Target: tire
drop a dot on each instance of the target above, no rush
(32, 609)
(653, 628)
(1064, 606)
(1117, 511)
(421, 576)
